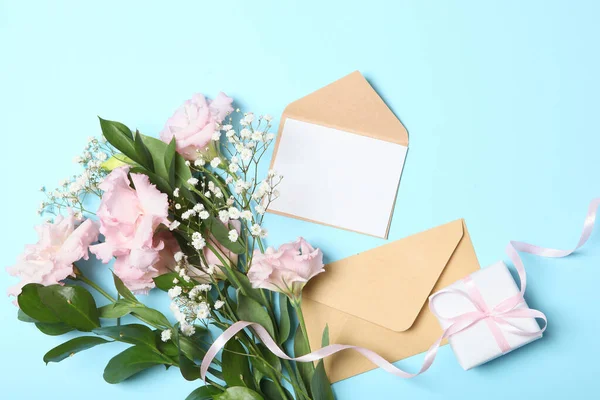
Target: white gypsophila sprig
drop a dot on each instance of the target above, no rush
(188, 305)
(71, 192)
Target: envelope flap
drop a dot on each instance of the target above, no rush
(350, 104)
(390, 284)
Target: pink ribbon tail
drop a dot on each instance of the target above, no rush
(506, 309)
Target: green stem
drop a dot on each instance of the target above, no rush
(297, 306)
(98, 288)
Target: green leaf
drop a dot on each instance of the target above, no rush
(272, 361)
(53, 329)
(221, 234)
(236, 369)
(189, 370)
(284, 318)
(119, 136)
(131, 333)
(21, 316)
(235, 277)
(158, 150)
(123, 307)
(269, 389)
(165, 281)
(203, 393)
(325, 337)
(123, 290)
(249, 309)
(116, 310)
(131, 361)
(155, 179)
(170, 161)
(31, 304)
(74, 305)
(168, 348)
(305, 370)
(319, 385)
(152, 316)
(116, 161)
(238, 393)
(143, 154)
(190, 347)
(71, 347)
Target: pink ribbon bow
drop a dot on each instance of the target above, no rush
(494, 317)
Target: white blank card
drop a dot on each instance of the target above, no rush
(337, 178)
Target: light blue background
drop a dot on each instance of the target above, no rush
(500, 99)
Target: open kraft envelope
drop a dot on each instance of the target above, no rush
(340, 149)
(378, 299)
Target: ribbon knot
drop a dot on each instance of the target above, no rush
(493, 317)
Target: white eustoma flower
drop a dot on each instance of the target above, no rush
(165, 335)
(233, 235)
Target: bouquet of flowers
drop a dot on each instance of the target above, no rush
(184, 215)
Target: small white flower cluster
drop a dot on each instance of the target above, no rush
(188, 304)
(72, 191)
(226, 181)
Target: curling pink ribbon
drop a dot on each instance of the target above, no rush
(494, 317)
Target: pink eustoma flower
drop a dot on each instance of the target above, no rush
(50, 260)
(286, 269)
(129, 218)
(194, 123)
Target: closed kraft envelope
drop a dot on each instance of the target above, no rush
(326, 145)
(378, 299)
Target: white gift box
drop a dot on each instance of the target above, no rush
(477, 344)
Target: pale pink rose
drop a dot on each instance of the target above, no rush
(211, 258)
(51, 259)
(194, 123)
(129, 218)
(286, 269)
(140, 281)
